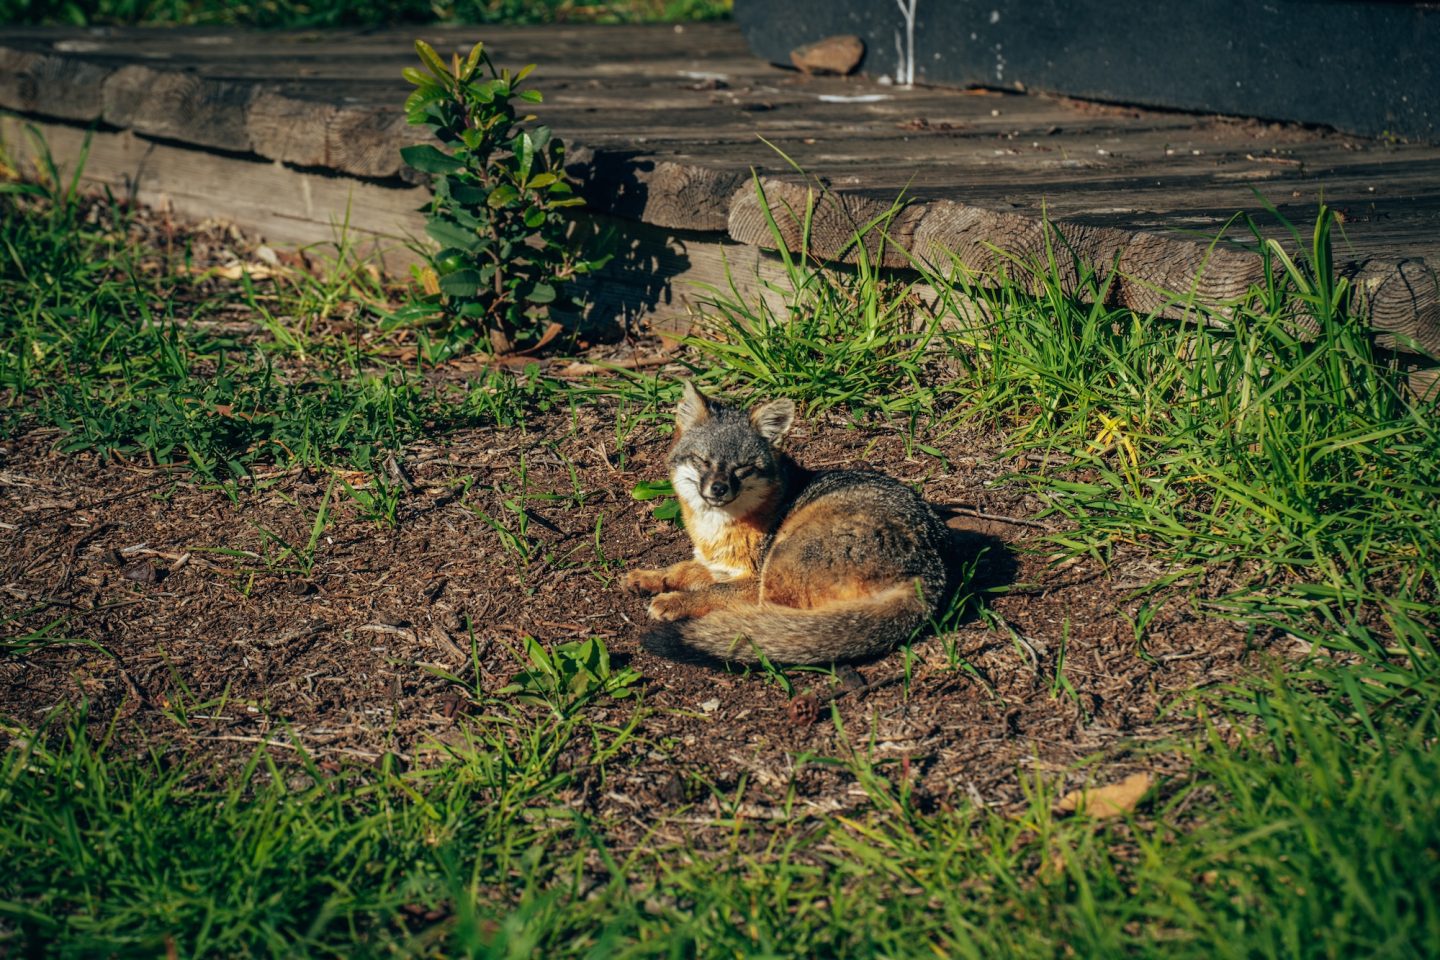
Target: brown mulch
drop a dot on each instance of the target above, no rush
(207, 651)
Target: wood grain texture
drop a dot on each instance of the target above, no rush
(179, 105)
(671, 128)
(1402, 302)
(55, 86)
(280, 204)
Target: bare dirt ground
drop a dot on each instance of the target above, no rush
(207, 651)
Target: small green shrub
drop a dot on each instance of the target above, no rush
(506, 250)
(570, 674)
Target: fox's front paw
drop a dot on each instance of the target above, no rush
(644, 581)
(672, 606)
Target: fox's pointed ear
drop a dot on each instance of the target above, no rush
(774, 419)
(693, 409)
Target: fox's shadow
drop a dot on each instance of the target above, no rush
(989, 562)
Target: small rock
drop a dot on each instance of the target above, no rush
(710, 706)
(840, 54)
(141, 571)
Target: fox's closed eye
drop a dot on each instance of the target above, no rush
(742, 472)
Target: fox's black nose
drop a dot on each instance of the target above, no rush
(719, 488)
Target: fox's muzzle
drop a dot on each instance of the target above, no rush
(718, 489)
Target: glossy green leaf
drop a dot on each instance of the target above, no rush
(450, 234)
(423, 96)
(502, 195)
(469, 194)
(461, 283)
(652, 489)
(473, 60)
(525, 155)
(431, 59)
(428, 159)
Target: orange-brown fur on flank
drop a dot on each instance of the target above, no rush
(789, 564)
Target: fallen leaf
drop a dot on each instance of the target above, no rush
(1108, 801)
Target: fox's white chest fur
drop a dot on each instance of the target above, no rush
(724, 537)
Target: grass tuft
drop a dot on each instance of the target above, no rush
(849, 339)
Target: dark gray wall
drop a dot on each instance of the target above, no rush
(1364, 66)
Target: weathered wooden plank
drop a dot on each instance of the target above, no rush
(350, 135)
(179, 105)
(50, 84)
(1402, 300)
(283, 205)
(664, 193)
(1162, 275)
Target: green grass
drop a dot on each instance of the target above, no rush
(1220, 438)
(295, 14)
(131, 854)
(1305, 822)
(846, 340)
(1315, 834)
(122, 361)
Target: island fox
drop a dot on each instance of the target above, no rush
(799, 566)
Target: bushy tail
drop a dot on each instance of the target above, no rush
(849, 630)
